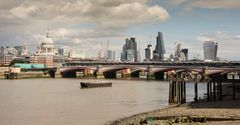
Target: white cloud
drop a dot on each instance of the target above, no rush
(22, 11)
(189, 5)
(75, 23)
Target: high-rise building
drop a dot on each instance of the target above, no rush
(160, 49)
(210, 50)
(110, 55)
(148, 53)
(61, 51)
(128, 48)
(185, 52)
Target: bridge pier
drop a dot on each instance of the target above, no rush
(52, 73)
(126, 73)
(150, 74)
(88, 73)
(99, 72)
(58, 73)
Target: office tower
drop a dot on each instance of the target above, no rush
(160, 49)
(110, 55)
(210, 50)
(148, 53)
(129, 48)
(60, 51)
(185, 53)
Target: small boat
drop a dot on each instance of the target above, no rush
(95, 84)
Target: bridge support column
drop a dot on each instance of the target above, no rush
(52, 73)
(126, 73)
(150, 74)
(58, 73)
(99, 72)
(88, 73)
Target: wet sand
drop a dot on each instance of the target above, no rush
(220, 113)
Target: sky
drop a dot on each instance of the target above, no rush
(85, 24)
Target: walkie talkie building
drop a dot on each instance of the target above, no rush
(210, 50)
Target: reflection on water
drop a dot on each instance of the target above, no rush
(61, 101)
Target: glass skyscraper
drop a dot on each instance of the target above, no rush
(130, 51)
(210, 50)
(160, 49)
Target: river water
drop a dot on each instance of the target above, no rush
(63, 102)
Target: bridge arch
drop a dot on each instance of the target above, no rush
(136, 72)
(112, 72)
(71, 72)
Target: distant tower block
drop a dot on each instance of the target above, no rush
(210, 50)
(148, 53)
(160, 49)
(185, 52)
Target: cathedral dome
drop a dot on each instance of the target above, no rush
(47, 40)
(47, 46)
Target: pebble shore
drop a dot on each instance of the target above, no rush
(220, 113)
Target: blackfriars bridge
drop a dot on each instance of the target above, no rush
(217, 75)
(152, 70)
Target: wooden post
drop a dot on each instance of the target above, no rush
(220, 90)
(176, 97)
(233, 87)
(208, 87)
(184, 91)
(170, 90)
(214, 91)
(196, 90)
(210, 90)
(174, 92)
(179, 92)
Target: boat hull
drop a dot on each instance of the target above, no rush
(95, 85)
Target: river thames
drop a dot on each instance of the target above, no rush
(63, 102)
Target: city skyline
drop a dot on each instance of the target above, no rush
(89, 22)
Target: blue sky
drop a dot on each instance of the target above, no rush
(84, 24)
